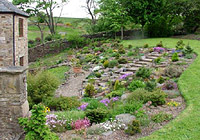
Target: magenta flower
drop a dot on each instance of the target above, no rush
(81, 124)
(115, 99)
(159, 49)
(105, 101)
(125, 76)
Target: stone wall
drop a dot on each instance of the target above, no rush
(21, 43)
(13, 101)
(6, 40)
(52, 47)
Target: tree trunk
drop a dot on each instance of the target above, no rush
(122, 33)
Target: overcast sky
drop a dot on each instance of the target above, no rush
(74, 8)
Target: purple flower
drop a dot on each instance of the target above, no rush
(125, 76)
(83, 106)
(115, 99)
(159, 49)
(105, 101)
(170, 85)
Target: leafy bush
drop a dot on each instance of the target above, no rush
(132, 106)
(62, 103)
(142, 117)
(135, 84)
(150, 85)
(112, 63)
(97, 74)
(143, 72)
(160, 80)
(41, 86)
(130, 53)
(96, 115)
(121, 50)
(89, 91)
(115, 93)
(122, 60)
(180, 45)
(173, 71)
(77, 40)
(133, 128)
(48, 37)
(169, 85)
(161, 117)
(106, 63)
(94, 104)
(157, 97)
(117, 85)
(188, 50)
(175, 57)
(35, 127)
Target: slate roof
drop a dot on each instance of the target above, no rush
(8, 7)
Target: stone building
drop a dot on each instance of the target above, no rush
(13, 70)
(13, 35)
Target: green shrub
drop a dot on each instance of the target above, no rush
(41, 86)
(175, 57)
(133, 128)
(161, 117)
(62, 103)
(142, 117)
(188, 50)
(160, 80)
(121, 50)
(173, 71)
(130, 53)
(94, 104)
(35, 127)
(89, 91)
(117, 85)
(77, 40)
(157, 97)
(180, 45)
(106, 63)
(96, 115)
(122, 60)
(97, 74)
(115, 93)
(143, 72)
(146, 46)
(150, 85)
(71, 115)
(135, 84)
(132, 106)
(112, 63)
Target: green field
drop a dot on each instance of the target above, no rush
(187, 125)
(77, 26)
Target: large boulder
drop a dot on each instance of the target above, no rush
(125, 118)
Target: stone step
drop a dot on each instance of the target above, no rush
(143, 63)
(133, 69)
(147, 60)
(155, 54)
(122, 73)
(152, 57)
(136, 65)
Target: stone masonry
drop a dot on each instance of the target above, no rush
(13, 101)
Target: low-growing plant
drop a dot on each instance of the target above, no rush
(130, 53)
(97, 74)
(96, 115)
(94, 104)
(121, 50)
(115, 93)
(106, 63)
(173, 71)
(62, 103)
(133, 128)
(143, 72)
(160, 80)
(169, 85)
(132, 106)
(112, 63)
(146, 46)
(175, 57)
(161, 117)
(142, 117)
(180, 45)
(150, 85)
(89, 91)
(35, 126)
(122, 60)
(117, 85)
(135, 84)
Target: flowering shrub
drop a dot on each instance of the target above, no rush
(125, 76)
(81, 124)
(159, 49)
(106, 101)
(55, 124)
(83, 106)
(112, 125)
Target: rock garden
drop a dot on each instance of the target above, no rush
(116, 92)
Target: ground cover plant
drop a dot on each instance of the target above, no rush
(125, 88)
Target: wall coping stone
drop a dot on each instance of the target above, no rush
(13, 69)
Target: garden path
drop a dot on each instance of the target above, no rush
(73, 87)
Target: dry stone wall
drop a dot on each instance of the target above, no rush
(13, 101)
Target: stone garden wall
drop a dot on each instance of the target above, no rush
(51, 47)
(13, 101)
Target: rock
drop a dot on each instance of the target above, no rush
(107, 133)
(124, 96)
(96, 68)
(125, 118)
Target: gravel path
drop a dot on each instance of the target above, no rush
(73, 86)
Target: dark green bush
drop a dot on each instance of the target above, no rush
(175, 57)
(89, 91)
(77, 40)
(122, 60)
(135, 84)
(133, 128)
(132, 106)
(121, 50)
(97, 74)
(180, 45)
(41, 86)
(188, 50)
(62, 103)
(143, 72)
(115, 93)
(150, 85)
(160, 80)
(96, 115)
(94, 104)
(48, 38)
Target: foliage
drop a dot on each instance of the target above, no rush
(135, 84)
(180, 45)
(35, 127)
(188, 50)
(89, 91)
(62, 103)
(143, 72)
(169, 85)
(132, 106)
(70, 115)
(133, 128)
(157, 97)
(142, 117)
(117, 85)
(175, 57)
(112, 63)
(121, 49)
(94, 104)
(173, 71)
(150, 85)
(77, 40)
(40, 87)
(161, 117)
(122, 60)
(160, 80)
(96, 115)
(106, 63)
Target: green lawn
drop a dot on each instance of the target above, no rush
(187, 125)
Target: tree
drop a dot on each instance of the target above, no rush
(114, 15)
(36, 7)
(91, 6)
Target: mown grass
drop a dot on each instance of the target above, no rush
(187, 125)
